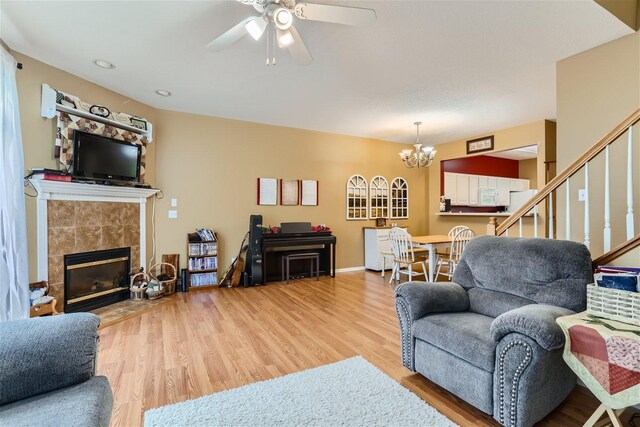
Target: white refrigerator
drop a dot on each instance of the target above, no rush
(519, 198)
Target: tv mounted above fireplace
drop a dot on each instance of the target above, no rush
(100, 158)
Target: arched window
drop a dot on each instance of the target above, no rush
(399, 198)
(357, 194)
(379, 197)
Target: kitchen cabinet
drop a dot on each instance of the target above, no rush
(462, 193)
(474, 185)
(451, 187)
(483, 182)
(464, 189)
(492, 182)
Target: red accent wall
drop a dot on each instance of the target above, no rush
(480, 165)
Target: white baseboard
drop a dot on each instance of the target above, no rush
(349, 269)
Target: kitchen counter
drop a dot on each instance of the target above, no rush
(485, 214)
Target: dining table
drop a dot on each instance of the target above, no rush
(432, 243)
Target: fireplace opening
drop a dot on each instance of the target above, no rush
(95, 279)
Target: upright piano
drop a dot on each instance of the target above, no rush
(294, 237)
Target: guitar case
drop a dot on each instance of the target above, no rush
(254, 253)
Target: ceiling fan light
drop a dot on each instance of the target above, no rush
(256, 27)
(283, 18)
(285, 39)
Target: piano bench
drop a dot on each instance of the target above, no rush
(286, 259)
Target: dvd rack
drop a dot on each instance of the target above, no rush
(202, 259)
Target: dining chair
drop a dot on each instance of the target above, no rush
(404, 255)
(452, 233)
(450, 261)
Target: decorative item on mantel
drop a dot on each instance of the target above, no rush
(74, 114)
(421, 157)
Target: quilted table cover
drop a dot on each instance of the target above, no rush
(605, 354)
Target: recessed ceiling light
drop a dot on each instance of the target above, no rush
(163, 92)
(104, 64)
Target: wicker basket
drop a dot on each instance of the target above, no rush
(168, 286)
(152, 295)
(137, 291)
(623, 306)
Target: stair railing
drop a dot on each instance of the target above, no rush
(546, 194)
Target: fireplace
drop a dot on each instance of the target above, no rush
(95, 279)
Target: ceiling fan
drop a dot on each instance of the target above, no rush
(278, 16)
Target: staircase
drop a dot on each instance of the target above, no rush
(556, 213)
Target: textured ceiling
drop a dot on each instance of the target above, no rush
(461, 67)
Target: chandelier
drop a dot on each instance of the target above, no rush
(421, 157)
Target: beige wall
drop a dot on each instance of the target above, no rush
(505, 139)
(211, 166)
(528, 169)
(38, 133)
(596, 90)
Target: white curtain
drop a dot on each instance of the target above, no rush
(14, 267)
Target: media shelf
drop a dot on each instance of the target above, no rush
(202, 262)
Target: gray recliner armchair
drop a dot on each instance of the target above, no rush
(490, 336)
(47, 373)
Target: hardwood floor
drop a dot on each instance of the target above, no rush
(208, 341)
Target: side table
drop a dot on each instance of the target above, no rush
(605, 355)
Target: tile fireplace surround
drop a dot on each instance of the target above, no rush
(74, 217)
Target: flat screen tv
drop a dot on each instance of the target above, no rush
(105, 159)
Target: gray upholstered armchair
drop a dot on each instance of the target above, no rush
(490, 336)
(47, 373)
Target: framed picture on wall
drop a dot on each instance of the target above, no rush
(309, 192)
(267, 191)
(479, 145)
(289, 192)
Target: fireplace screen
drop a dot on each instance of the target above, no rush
(95, 279)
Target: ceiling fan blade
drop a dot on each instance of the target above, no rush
(225, 40)
(298, 49)
(285, 38)
(336, 14)
(256, 27)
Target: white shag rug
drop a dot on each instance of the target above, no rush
(352, 392)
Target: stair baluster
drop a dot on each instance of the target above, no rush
(630, 231)
(607, 202)
(567, 223)
(587, 233)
